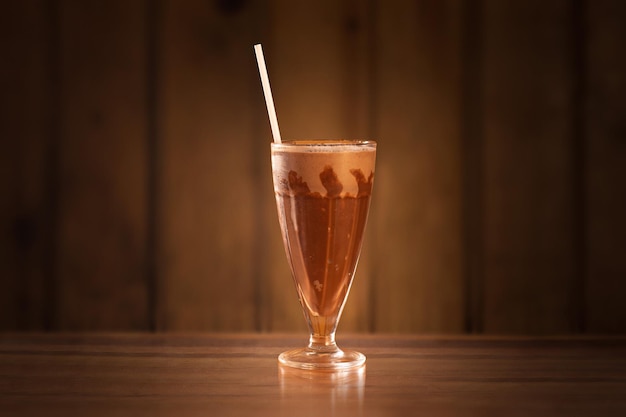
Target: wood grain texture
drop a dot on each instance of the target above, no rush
(188, 375)
(206, 174)
(25, 227)
(529, 273)
(605, 165)
(418, 284)
(102, 196)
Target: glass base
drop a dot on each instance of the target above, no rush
(307, 358)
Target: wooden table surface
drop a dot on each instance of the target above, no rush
(238, 375)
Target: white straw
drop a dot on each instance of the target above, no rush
(269, 101)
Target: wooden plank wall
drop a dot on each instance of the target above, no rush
(102, 158)
(26, 182)
(604, 150)
(136, 185)
(529, 229)
(417, 219)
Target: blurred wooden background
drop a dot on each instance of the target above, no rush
(136, 187)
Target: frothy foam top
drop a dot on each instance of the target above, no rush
(309, 164)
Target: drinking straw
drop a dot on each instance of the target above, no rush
(267, 91)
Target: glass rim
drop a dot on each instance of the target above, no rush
(331, 143)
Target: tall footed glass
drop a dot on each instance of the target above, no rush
(323, 190)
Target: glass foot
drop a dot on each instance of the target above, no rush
(307, 358)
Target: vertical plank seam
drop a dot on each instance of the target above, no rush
(152, 8)
(472, 160)
(579, 136)
(262, 305)
(372, 127)
(52, 188)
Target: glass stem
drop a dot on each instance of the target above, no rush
(323, 343)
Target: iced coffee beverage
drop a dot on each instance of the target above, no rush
(323, 191)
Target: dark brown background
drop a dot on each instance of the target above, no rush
(136, 187)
